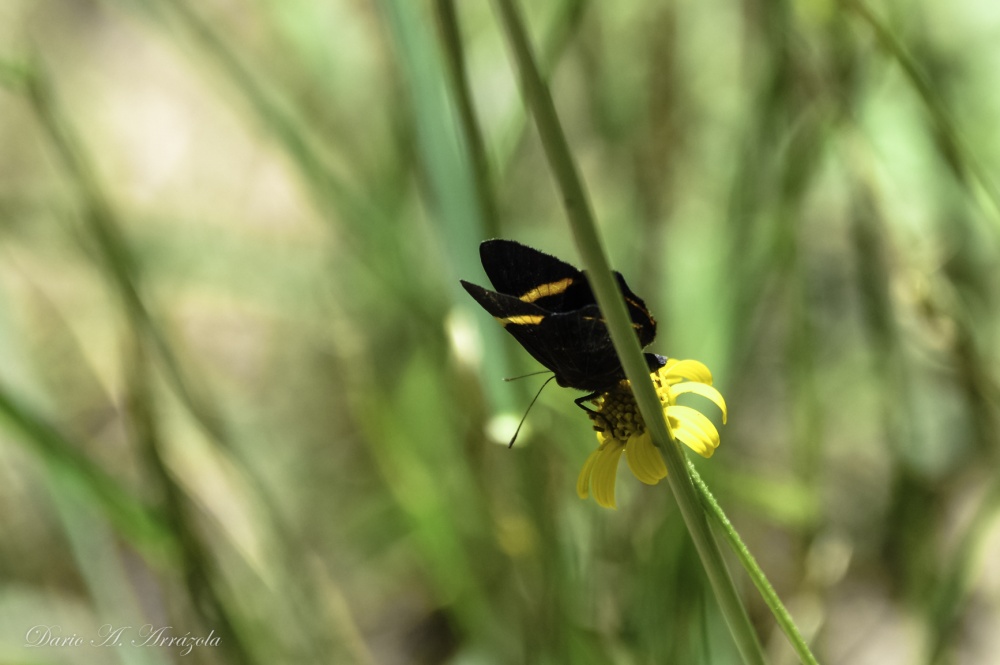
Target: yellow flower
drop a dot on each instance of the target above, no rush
(620, 429)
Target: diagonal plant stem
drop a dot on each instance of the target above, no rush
(767, 592)
(447, 19)
(612, 305)
(117, 259)
(143, 526)
(114, 254)
(970, 171)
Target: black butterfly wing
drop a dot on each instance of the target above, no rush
(581, 345)
(533, 276)
(548, 307)
(554, 285)
(575, 345)
(642, 321)
(514, 268)
(522, 320)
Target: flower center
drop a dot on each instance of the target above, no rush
(617, 414)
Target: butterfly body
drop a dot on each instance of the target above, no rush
(548, 307)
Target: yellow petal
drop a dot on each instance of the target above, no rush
(693, 429)
(692, 370)
(702, 389)
(644, 459)
(602, 479)
(583, 480)
(693, 441)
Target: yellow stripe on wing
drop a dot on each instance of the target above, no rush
(545, 290)
(521, 319)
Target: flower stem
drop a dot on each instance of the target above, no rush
(612, 305)
(767, 592)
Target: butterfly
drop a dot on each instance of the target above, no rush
(547, 305)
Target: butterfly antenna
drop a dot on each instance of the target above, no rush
(525, 376)
(526, 411)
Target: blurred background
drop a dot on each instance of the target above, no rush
(242, 394)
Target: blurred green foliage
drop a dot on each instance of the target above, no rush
(241, 391)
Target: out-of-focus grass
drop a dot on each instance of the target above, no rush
(242, 392)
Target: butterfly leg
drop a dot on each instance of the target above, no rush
(587, 398)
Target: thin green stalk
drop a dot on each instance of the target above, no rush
(116, 257)
(268, 101)
(969, 170)
(141, 525)
(104, 227)
(472, 133)
(197, 565)
(612, 305)
(767, 592)
(958, 577)
(104, 224)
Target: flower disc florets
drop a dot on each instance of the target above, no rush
(621, 429)
(617, 414)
